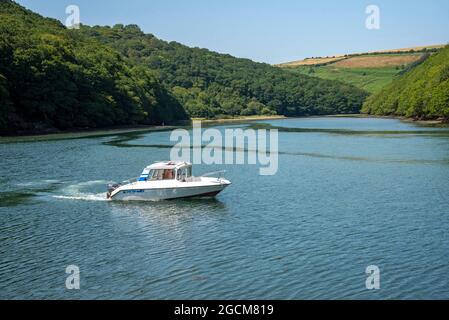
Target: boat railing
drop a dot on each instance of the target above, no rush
(219, 173)
(129, 181)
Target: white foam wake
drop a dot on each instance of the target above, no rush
(77, 192)
(85, 197)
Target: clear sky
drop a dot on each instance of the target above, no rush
(270, 31)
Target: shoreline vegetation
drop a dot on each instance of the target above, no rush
(107, 132)
(53, 79)
(103, 80)
(427, 122)
(421, 93)
(83, 133)
(240, 119)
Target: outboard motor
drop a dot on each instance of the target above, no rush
(111, 188)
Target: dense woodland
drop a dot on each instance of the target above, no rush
(52, 77)
(209, 84)
(422, 92)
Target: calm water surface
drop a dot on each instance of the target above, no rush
(372, 192)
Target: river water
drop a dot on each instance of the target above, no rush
(349, 193)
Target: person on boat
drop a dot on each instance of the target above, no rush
(168, 174)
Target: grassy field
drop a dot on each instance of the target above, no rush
(378, 61)
(319, 61)
(311, 62)
(369, 79)
(368, 71)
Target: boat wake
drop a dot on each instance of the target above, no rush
(79, 191)
(40, 183)
(85, 197)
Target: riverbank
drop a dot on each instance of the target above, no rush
(83, 134)
(92, 133)
(95, 133)
(240, 119)
(432, 123)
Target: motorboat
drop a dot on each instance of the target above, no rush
(168, 180)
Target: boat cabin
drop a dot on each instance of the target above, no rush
(181, 171)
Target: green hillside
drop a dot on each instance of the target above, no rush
(55, 78)
(422, 92)
(369, 79)
(370, 72)
(210, 85)
(51, 77)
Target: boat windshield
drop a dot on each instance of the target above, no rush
(161, 174)
(184, 173)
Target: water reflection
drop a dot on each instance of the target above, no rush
(174, 213)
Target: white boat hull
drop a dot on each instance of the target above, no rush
(145, 192)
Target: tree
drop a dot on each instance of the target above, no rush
(422, 91)
(52, 77)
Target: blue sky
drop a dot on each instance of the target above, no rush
(268, 30)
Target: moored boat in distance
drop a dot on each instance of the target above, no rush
(165, 181)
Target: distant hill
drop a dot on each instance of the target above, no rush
(369, 71)
(422, 92)
(212, 85)
(388, 55)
